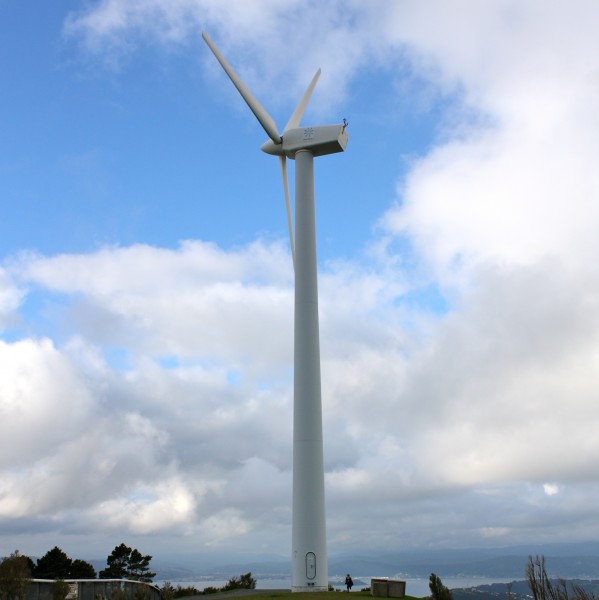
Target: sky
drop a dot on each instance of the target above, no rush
(146, 283)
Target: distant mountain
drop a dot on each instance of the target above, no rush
(199, 569)
(563, 560)
(518, 590)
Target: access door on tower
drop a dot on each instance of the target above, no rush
(310, 565)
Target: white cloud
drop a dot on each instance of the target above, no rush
(518, 185)
(551, 489)
(160, 508)
(10, 299)
(265, 40)
(477, 400)
(136, 435)
(207, 302)
(35, 403)
(504, 212)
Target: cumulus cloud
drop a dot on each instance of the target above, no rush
(35, 377)
(177, 437)
(504, 212)
(519, 184)
(149, 446)
(118, 439)
(193, 312)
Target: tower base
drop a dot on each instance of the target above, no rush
(310, 588)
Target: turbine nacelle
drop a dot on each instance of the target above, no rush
(321, 140)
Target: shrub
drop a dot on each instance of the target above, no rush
(60, 590)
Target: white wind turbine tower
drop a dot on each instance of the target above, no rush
(308, 544)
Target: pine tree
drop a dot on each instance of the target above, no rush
(55, 564)
(118, 563)
(438, 590)
(128, 563)
(81, 569)
(139, 567)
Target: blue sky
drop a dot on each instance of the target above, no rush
(146, 283)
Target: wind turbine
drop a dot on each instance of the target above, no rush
(309, 571)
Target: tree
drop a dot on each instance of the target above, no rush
(30, 564)
(15, 576)
(168, 591)
(127, 563)
(543, 588)
(55, 564)
(81, 569)
(139, 567)
(118, 563)
(536, 575)
(540, 584)
(438, 590)
(245, 582)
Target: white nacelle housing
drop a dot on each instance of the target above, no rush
(326, 139)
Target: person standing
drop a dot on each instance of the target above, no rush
(348, 582)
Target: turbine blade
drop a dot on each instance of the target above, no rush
(298, 113)
(283, 161)
(259, 111)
